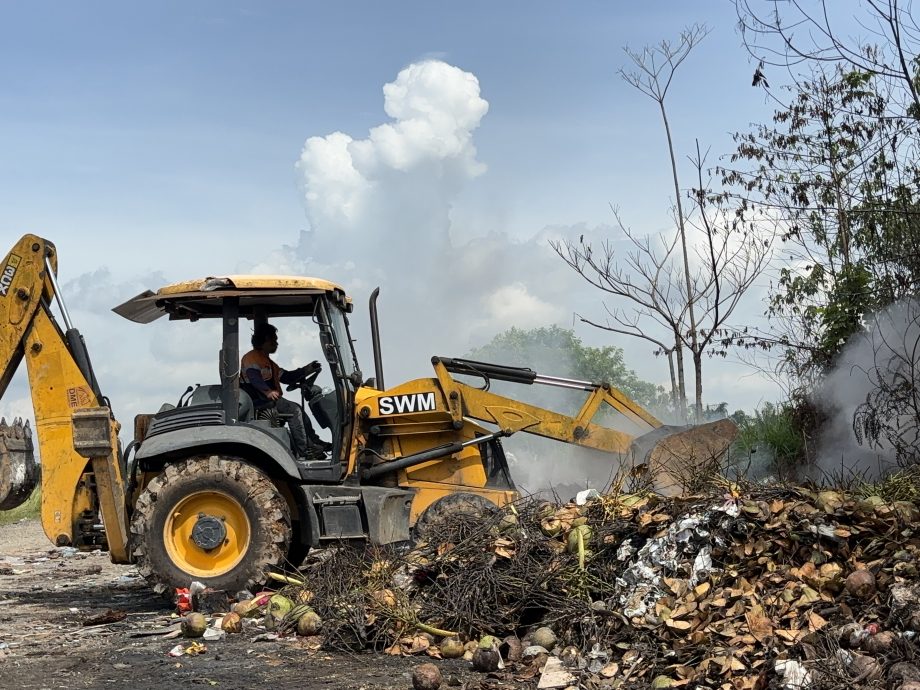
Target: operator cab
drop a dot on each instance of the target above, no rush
(258, 299)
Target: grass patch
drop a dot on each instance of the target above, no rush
(30, 509)
(772, 427)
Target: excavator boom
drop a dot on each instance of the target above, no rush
(76, 433)
(667, 455)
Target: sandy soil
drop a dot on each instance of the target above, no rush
(46, 594)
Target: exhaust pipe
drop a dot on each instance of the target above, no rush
(375, 340)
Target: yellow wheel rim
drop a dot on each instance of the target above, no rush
(189, 556)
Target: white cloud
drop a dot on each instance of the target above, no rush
(402, 174)
(514, 305)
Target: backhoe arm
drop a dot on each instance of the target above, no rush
(513, 415)
(77, 436)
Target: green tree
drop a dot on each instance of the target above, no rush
(838, 175)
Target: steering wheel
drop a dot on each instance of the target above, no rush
(306, 382)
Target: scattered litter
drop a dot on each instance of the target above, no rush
(210, 601)
(194, 649)
(213, 634)
(794, 675)
(266, 637)
(583, 497)
(555, 675)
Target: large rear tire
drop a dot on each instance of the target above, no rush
(213, 519)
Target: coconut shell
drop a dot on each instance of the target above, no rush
(860, 584)
(570, 656)
(452, 648)
(309, 624)
(486, 660)
(543, 637)
(880, 643)
(246, 609)
(903, 672)
(866, 667)
(426, 677)
(231, 623)
(511, 648)
(550, 526)
(194, 625)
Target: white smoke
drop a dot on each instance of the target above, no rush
(870, 359)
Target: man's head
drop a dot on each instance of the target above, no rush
(265, 338)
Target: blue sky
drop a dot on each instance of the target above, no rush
(160, 140)
(125, 117)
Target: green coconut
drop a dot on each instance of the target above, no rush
(584, 531)
(486, 658)
(194, 625)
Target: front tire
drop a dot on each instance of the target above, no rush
(213, 519)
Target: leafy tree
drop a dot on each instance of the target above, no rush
(839, 177)
(557, 351)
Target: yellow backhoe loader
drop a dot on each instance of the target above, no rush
(209, 489)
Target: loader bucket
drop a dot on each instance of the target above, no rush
(671, 458)
(18, 470)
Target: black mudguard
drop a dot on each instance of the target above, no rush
(239, 440)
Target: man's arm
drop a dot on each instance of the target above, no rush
(253, 376)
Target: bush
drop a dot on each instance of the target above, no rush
(774, 429)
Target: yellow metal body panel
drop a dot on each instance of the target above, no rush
(252, 282)
(71, 484)
(58, 388)
(426, 413)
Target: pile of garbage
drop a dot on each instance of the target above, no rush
(760, 587)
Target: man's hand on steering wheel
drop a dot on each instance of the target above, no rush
(305, 375)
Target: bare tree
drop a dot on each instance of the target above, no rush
(733, 253)
(644, 276)
(729, 254)
(653, 74)
(882, 40)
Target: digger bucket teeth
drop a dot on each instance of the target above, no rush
(18, 470)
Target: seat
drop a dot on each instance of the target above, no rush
(204, 395)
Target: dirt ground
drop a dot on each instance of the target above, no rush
(46, 594)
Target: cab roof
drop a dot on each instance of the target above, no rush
(259, 295)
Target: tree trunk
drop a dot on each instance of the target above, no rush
(681, 385)
(674, 391)
(694, 344)
(698, 371)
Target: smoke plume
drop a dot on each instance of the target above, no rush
(882, 360)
